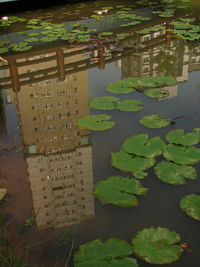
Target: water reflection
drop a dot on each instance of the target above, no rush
(57, 152)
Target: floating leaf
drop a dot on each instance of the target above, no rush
(182, 155)
(141, 145)
(104, 102)
(120, 87)
(173, 173)
(112, 253)
(119, 191)
(3, 50)
(131, 163)
(154, 121)
(179, 137)
(96, 122)
(32, 40)
(21, 46)
(190, 205)
(157, 245)
(156, 93)
(106, 34)
(130, 105)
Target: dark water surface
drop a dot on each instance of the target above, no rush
(49, 165)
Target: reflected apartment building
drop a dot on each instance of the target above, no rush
(57, 152)
(170, 57)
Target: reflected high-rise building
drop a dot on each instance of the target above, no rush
(57, 152)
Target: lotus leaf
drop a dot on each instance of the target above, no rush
(156, 93)
(32, 40)
(157, 245)
(104, 102)
(106, 33)
(182, 155)
(112, 253)
(179, 137)
(119, 191)
(154, 121)
(21, 46)
(96, 122)
(173, 173)
(130, 105)
(120, 87)
(141, 145)
(131, 163)
(122, 36)
(190, 205)
(3, 50)
(48, 38)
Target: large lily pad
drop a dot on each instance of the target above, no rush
(156, 93)
(119, 191)
(141, 145)
(96, 122)
(190, 205)
(154, 121)
(157, 245)
(112, 253)
(173, 173)
(182, 155)
(182, 138)
(120, 87)
(104, 102)
(131, 163)
(130, 105)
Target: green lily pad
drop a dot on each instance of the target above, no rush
(130, 105)
(120, 87)
(104, 102)
(157, 245)
(141, 145)
(112, 253)
(96, 122)
(127, 85)
(173, 173)
(131, 163)
(119, 191)
(154, 121)
(190, 205)
(32, 40)
(156, 93)
(3, 50)
(106, 34)
(182, 155)
(179, 137)
(21, 46)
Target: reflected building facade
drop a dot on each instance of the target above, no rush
(57, 152)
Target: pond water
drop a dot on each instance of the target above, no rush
(49, 165)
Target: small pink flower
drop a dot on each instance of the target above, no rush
(4, 18)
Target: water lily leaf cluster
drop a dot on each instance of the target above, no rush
(119, 191)
(114, 253)
(187, 30)
(157, 245)
(137, 154)
(129, 85)
(96, 122)
(111, 103)
(190, 205)
(154, 245)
